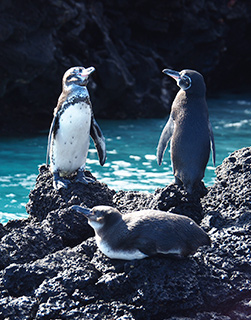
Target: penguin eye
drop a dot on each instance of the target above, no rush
(185, 82)
(185, 79)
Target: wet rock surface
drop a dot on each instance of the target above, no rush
(51, 267)
(128, 44)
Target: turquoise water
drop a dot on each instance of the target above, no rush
(131, 148)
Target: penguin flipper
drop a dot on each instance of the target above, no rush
(164, 139)
(146, 246)
(99, 140)
(52, 129)
(211, 134)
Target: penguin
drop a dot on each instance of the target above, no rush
(189, 130)
(72, 125)
(142, 234)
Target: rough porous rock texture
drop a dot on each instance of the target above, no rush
(51, 267)
(128, 42)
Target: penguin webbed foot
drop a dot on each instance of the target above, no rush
(188, 187)
(82, 178)
(59, 183)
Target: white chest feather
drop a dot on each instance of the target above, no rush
(118, 254)
(71, 143)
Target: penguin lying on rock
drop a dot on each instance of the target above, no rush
(70, 131)
(142, 234)
(189, 130)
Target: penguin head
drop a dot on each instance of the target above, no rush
(188, 80)
(100, 216)
(76, 76)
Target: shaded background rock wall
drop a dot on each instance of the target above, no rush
(128, 42)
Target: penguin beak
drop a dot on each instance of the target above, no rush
(87, 72)
(174, 74)
(87, 212)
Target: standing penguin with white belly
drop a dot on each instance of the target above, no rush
(189, 129)
(71, 128)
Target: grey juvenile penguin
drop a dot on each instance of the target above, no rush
(189, 129)
(145, 233)
(70, 131)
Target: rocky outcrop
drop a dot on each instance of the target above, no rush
(51, 267)
(128, 43)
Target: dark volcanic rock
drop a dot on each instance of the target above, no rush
(27, 240)
(51, 205)
(128, 43)
(50, 270)
(228, 202)
(44, 198)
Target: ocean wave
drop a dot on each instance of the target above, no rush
(238, 124)
(28, 182)
(120, 163)
(244, 102)
(150, 157)
(6, 216)
(136, 158)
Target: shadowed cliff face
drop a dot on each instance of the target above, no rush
(128, 43)
(50, 267)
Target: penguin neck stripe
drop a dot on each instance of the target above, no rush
(72, 102)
